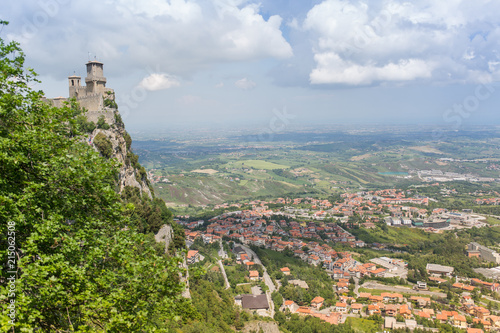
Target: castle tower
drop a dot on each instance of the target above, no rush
(95, 80)
(74, 82)
(93, 94)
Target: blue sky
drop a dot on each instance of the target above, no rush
(234, 62)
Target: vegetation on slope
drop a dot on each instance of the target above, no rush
(320, 284)
(80, 264)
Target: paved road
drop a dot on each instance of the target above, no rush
(267, 279)
(224, 274)
(222, 253)
(374, 285)
(356, 287)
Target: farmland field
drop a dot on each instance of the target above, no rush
(257, 164)
(209, 171)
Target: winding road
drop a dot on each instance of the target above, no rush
(224, 274)
(267, 279)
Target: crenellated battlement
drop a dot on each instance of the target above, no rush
(92, 95)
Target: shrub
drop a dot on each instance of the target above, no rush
(84, 125)
(103, 145)
(128, 140)
(118, 120)
(101, 123)
(110, 103)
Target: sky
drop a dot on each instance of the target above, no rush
(273, 64)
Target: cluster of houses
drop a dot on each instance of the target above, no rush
(363, 203)
(252, 230)
(249, 226)
(367, 204)
(156, 178)
(392, 305)
(243, 258)
(332, 317)
(493, 286)
(254, 227)
(488, 201)
(347, 267)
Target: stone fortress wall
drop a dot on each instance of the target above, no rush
(90, 96)
(108, 113)
(91, 102)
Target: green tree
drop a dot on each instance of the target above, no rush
(277, 299)
(80, 265)
(101, 123)
(104, 145)
(83, 124)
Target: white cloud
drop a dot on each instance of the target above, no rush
(332, 69)
(159, 81)
(245, 84)
(362, 42)
(219, 85)
(180, 36)
(179, 10)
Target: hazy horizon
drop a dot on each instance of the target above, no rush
(189, 64)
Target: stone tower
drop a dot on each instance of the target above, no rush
(75, 85)
(93, 94)
(95, 80)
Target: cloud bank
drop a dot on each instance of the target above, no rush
(178, 36)
(365, 42)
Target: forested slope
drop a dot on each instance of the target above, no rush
(81, 256)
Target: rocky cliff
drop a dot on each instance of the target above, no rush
(113, 141)
(261, 326)
(166, 235)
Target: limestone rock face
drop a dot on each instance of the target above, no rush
(129, 175)
(116, 142)
(261, 326)
(165, 234)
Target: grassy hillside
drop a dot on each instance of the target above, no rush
(203, 190)
(396, 236)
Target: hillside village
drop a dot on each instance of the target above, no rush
(306, 228)
(388, 206)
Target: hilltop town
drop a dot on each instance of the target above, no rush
(325, 235)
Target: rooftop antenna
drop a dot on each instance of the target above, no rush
(89, 55)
